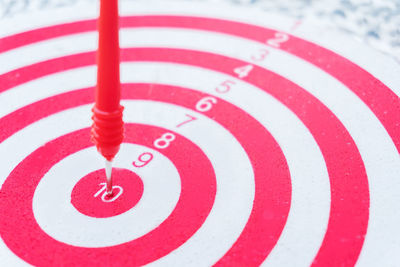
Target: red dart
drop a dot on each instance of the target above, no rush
(108, 128)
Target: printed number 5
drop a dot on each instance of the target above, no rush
(224, 87)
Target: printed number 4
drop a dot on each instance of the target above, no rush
(243, 71)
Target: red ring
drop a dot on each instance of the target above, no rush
(377, 96)
(270, 168)
(126, 183)
(349, 183)
(21, 232)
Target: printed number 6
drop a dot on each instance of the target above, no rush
(206, 103)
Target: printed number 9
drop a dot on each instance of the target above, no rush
(143, 160)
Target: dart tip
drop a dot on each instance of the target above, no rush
(108, 169)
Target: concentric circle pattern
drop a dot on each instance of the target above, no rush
(246, 144)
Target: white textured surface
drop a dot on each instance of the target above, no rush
(375, 22)
(372, 145)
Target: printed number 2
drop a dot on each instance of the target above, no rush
(279, 38)
(103, 188)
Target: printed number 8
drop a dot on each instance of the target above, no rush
(164, 140)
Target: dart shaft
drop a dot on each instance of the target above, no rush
(107, 128)
(108, 81)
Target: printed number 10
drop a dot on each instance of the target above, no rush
(103, 188)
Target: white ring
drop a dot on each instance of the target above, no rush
(234, 195)
(58, 217)
(382, 188)
(300, 150)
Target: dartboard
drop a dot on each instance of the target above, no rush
(250, 139)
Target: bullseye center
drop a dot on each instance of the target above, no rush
(89, 195)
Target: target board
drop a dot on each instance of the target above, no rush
(250, 139)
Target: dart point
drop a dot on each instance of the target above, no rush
(108, 170)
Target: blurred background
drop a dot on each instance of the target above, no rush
(374, 22)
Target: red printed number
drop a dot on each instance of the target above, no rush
(143, 160)
(260, 56)
(224, 87)
(191, 118)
